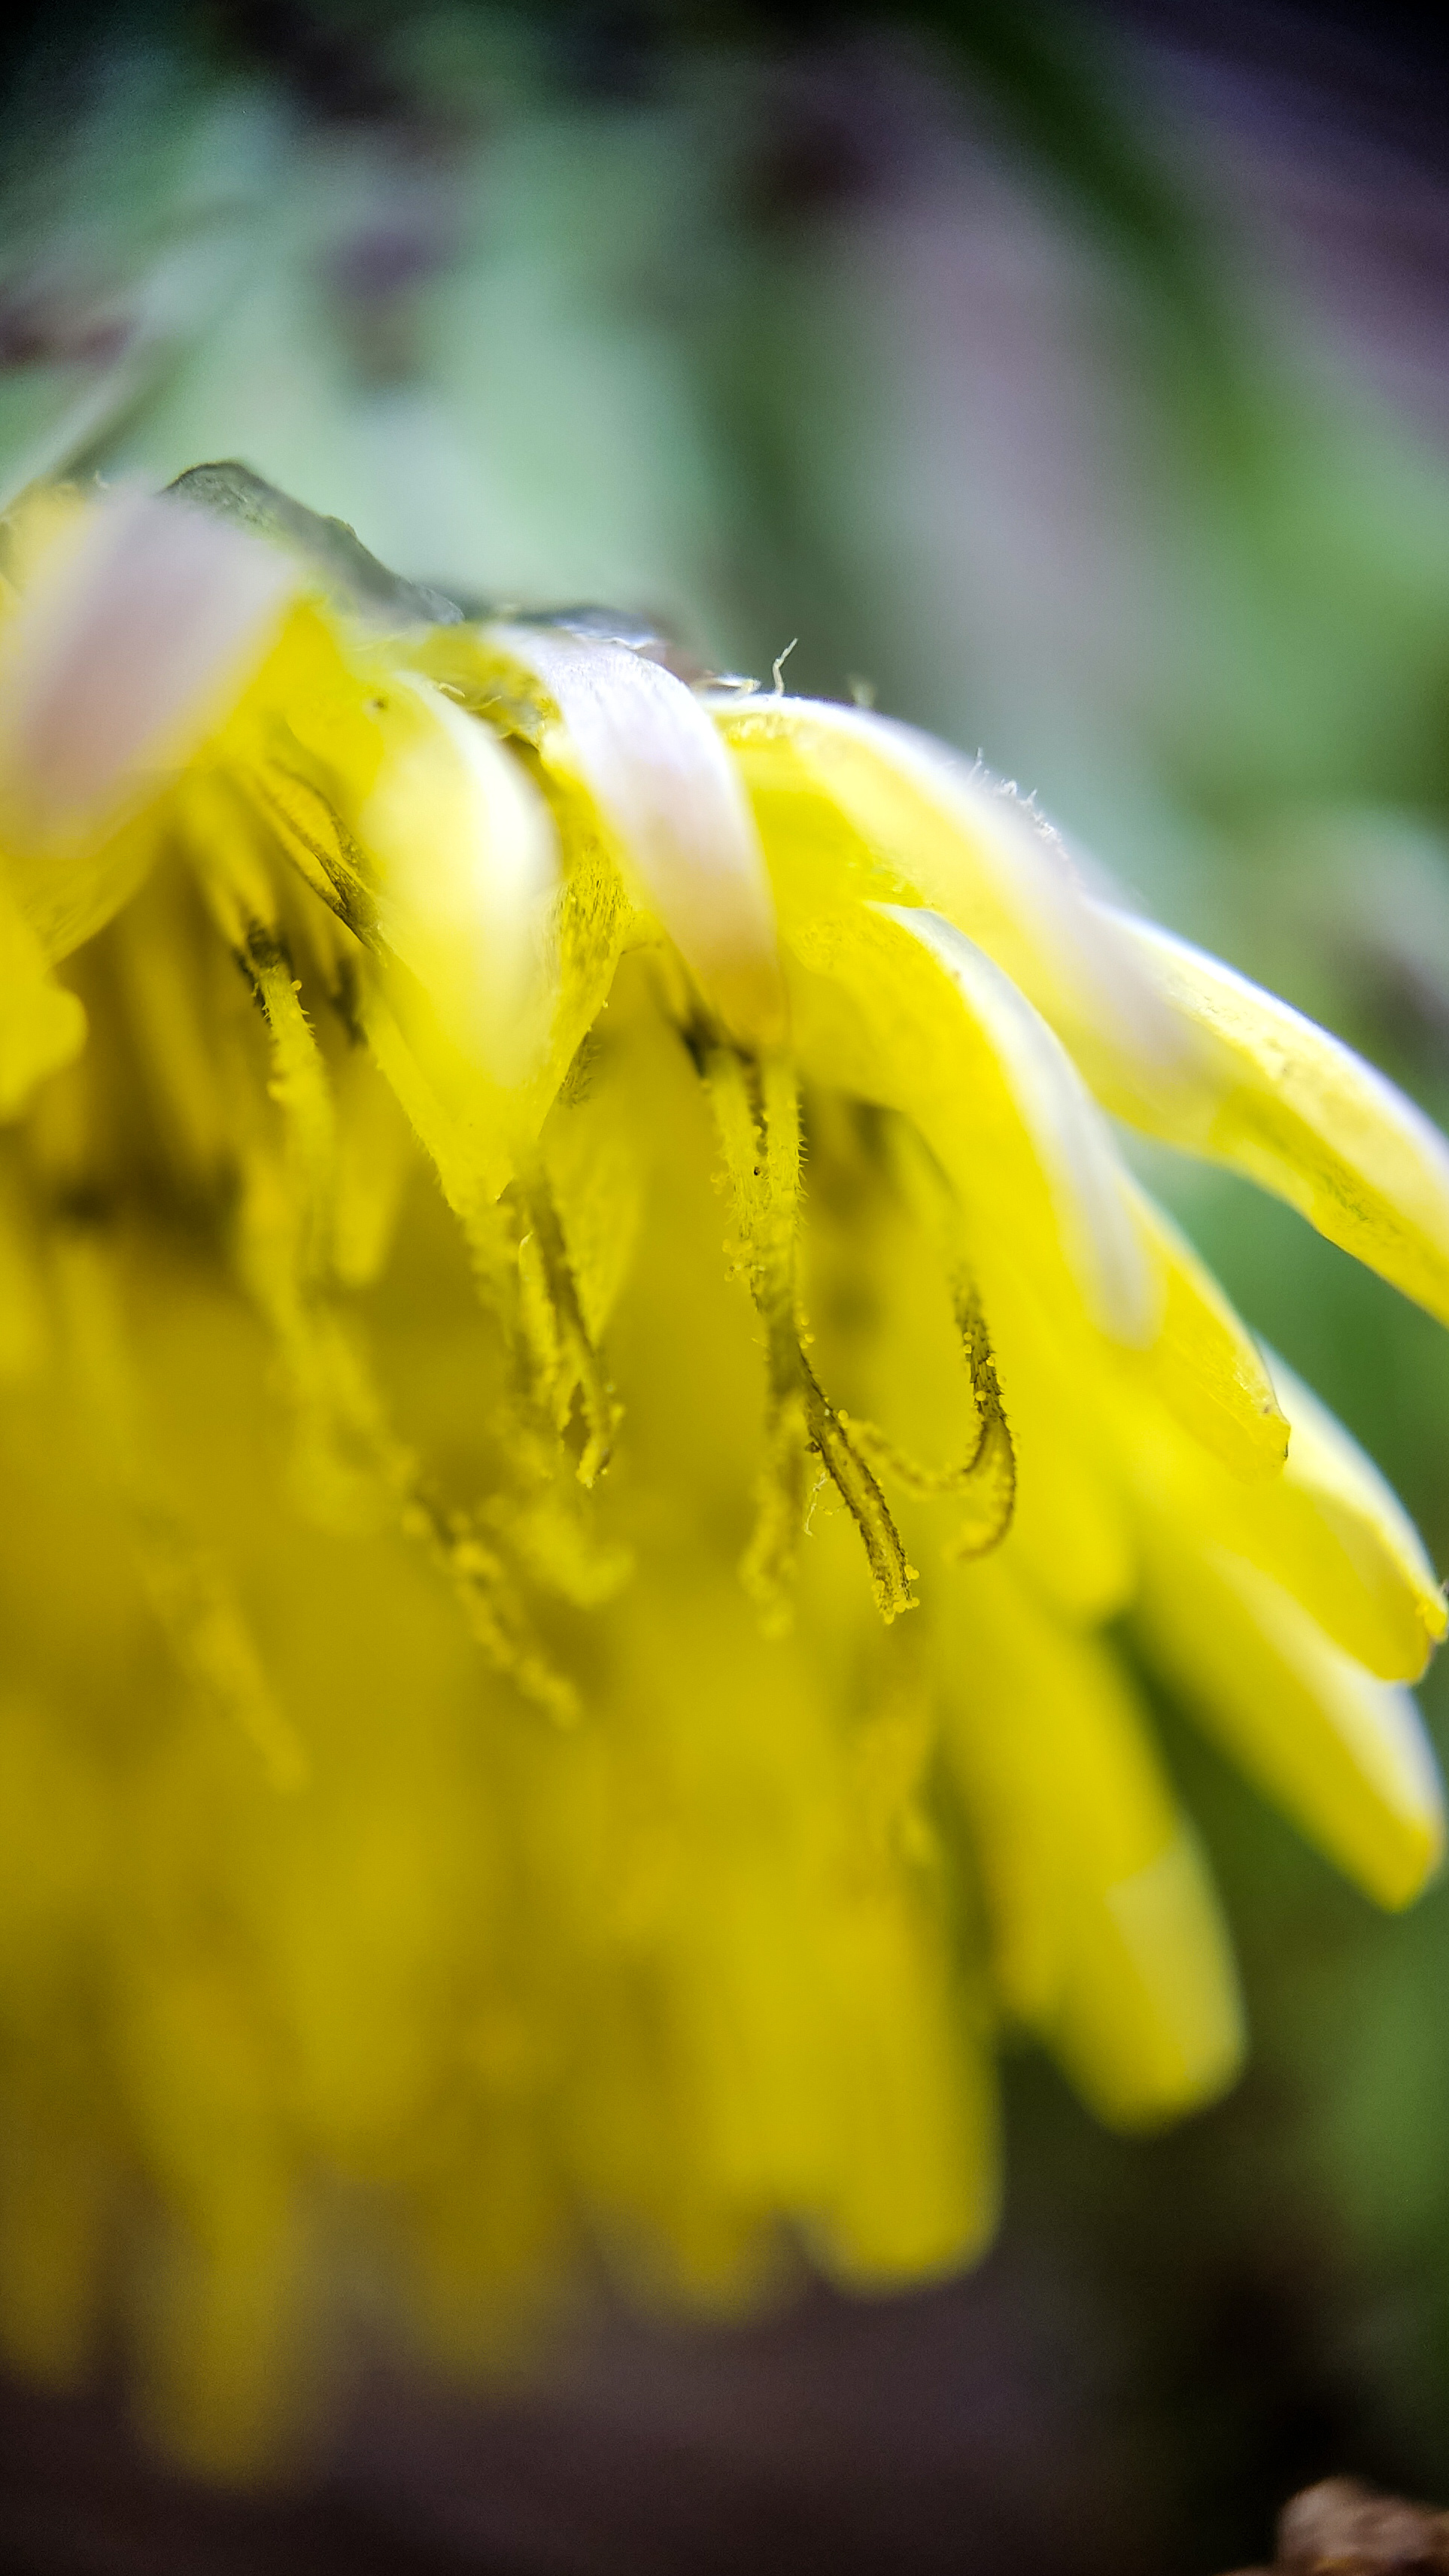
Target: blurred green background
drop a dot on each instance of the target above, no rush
(1077, 386)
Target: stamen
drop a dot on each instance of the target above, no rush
(522, 1272)
(485, 1586)
(990, 1475)
(757, 1114)
(575, 1367)
(314, 838)
(350, 1461)
(987, 1477)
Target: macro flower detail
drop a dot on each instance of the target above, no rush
(598, 1437)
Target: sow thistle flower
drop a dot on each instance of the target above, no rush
(597, 1434)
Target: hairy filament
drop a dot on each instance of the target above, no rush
(757, 1115)
(570, 1365)
(525, 1279)
(349, 1453)
(986, 1477)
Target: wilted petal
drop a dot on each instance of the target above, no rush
(138, 623)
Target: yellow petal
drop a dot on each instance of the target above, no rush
(1152, 2021)
(410, 819)
(953, 1043)
(466, 862)
(591, 1152)
(672, 808)
(1203, 1362)
(456, 1114)
(1334, 1535)
(1071, 1534)
(1267, 1092)
(1343, 1754)
(1109, 1941)
(850, 801)
(916, 2191)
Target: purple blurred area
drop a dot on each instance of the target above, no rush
(1326, 136)
(955, 2429)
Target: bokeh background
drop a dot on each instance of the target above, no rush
(1074, 382)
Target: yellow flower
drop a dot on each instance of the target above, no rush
(417, 1838)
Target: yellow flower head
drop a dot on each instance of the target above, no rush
(483, 1385)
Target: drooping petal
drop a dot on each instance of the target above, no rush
(932, 1027)
(457, 1121)
(671, 806)
(1326, 1531)
(465, 861)
(1343, 1754)
(1327, 1465)
(917, 2191)
(1263, 1089)
(848, 800)
(1204, 1363)
(1108, 1938)
(416, 826)
(1335, 1536)
(821, 2054)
